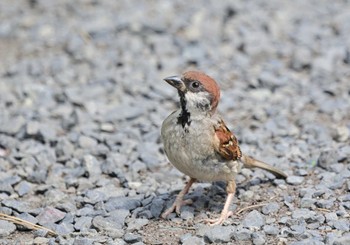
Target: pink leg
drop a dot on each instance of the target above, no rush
(179, 200)
(225, 213)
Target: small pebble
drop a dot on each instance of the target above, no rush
(294, 180)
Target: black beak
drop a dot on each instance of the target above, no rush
(176, 82)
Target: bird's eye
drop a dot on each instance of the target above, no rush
(195, 84)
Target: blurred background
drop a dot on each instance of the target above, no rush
(82, 97)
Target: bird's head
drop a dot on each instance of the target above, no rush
(198, 92)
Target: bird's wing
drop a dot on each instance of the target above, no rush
(226, 143)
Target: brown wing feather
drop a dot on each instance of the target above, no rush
(228, 143)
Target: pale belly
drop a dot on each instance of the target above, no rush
(194, 155)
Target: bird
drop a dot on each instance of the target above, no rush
(199, 144)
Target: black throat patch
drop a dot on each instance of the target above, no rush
(184, 117)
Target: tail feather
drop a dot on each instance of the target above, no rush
(250, 162)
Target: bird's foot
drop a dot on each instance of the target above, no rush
(218, 221)
(176, 206)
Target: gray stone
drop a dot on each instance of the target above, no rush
(64, 149)
(13, 126)
(342, 224)
(69, 218)
(247, 195)
(271, 230)
(283, 220)
(319, 192)
(346, 205)
(6, 188)
(83, 241)
(124, 112)
(145, 214)
(302, 172)
(94, 196)
(258, 238)
(307, 202)
(318, 218)
(149, 154)
(185, 237)
(20, 206)
(92, 166)
(63, 229)
(192, 240)
(132, 238)
(187, 213)
(325, 203)
(32, 128)
(270, 208)
(295, 180)
(303, 214)
(23, 188)
(136, 224)
(11, 180)
(4, 152)
(218, 234)
(297, 229)
(107, 224)
(331, 237)
(311, 241)
(119, 241)
(85, 211)
(127, 203)
(138, 166)
(6, 210)
(41, 240)
(331, 217)
(341, 133)
(344, 198)
(86, 142)
(157, 207)
(38, 176)
(301, 59)
(47, 132)
(54, 196)
(242, 234)
(114, 223)
(313, 226)
(28, 217)
(62, 240)
(6, 228)
(119, 216)
(327, 158)
(338, 168)
(41, 233)
(107, 127)
(254, 219)
(82, 223)
(341, 212)
(50, 215)
(344, 240)
(139, 243)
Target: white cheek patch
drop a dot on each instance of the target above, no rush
(197, 101)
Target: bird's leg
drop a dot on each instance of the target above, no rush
(179, 200)
(225, 213)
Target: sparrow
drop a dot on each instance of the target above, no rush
(199, 144)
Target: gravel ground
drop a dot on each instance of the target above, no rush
(82, 100)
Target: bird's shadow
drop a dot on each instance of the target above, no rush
(212, 198)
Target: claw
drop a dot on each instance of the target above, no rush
(225, 213)
(176, 206)
(179, 202)
(219, 220)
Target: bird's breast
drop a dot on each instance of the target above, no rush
(192, 152)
